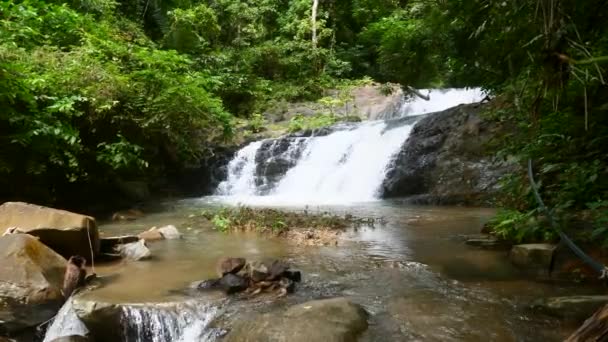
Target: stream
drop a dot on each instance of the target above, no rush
(413, 273)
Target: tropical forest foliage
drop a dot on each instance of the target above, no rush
(97, 90)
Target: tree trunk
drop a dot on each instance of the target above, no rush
(411, 90)
(315, 5)
(595, 329)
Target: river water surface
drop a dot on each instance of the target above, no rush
(413, 273)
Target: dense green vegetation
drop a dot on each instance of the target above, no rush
(93, 91)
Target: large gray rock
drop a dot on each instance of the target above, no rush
(446, 160)
(533, 256)
(328, 320)
(66, 233)
(31, 277)
(572, 307)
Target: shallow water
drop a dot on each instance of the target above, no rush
(413, 274)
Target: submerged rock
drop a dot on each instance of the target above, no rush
(446, 160)
(572, 307)
(134, 251)
(65, 232)
(31, 278)
(328, 320)
(535, 256)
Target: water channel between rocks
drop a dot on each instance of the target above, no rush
(412, 273)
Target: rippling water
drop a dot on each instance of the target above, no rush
(419, 281)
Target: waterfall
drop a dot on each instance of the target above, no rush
(344, 165)
(169, 323)
(159, 322)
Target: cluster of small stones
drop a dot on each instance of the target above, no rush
(236, 275)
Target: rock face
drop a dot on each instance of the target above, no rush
(445, 160)
(31, 277)
(328, 320)
(534, 256)
(65, 232)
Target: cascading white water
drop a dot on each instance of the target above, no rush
(171, 322)
(66, 323)
(183, 323)
(345, 166)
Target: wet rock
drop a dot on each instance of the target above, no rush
(151, 235)
(170, 232)
(232, 283)
(31, 278)
(134, 251)
(202, 285)
(65, 232)
(536, 256)
(572, 307)
(229, 265)
(276, 269)
(127, 215)
(328, 320)
(293, 275)
(446, 160)
(74, 338)
(486, 242)
(108, 244)
(257, 271)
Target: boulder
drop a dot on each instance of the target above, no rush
(572, 307)
(534, 256)
(109, 244)
(328, 320)
(151, 235)
(229, 265)
(232, 283)
(31, 278)
(65, 232)
(446, 160)
(170, 232)
(134, 251)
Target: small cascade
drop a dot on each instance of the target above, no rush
(439, 99)
(169, 323)
(66, 323)
(344, 164)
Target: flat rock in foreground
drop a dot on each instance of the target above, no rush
(65, 232)
(327, 320)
